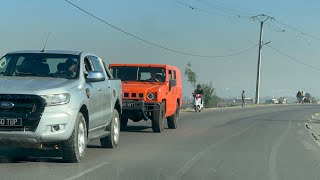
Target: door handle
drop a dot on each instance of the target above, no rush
(99, 90)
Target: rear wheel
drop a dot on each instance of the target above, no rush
(112, 140)
(158, 118)
(174, 119)
(73, 149)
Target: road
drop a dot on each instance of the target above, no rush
(239, 143)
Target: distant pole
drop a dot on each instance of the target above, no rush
(262, 18)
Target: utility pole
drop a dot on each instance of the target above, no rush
(262, 18)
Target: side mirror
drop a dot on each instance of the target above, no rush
(95, 76)
(172, 83)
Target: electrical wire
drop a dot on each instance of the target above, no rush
(155, 44)
(296, 29)
(294, 59)
(225, 10)
(199, 9)
(275, 29)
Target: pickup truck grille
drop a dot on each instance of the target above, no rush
(27, 107)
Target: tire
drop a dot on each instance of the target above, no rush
(197, 108)
(112, 140)
(173, 120)
(124, 123)
(73, 149)
(158, 118)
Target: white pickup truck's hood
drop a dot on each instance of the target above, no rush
(34, 85)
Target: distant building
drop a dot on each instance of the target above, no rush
(272, 101)
(281, 100)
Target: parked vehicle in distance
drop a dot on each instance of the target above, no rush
(58, 99)
(150, 91)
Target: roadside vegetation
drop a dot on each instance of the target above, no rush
(210, 97)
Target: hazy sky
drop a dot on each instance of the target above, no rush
(25, 24)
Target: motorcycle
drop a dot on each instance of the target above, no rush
(198, 102)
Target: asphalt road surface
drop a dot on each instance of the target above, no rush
(242, 143)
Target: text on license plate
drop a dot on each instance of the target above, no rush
(131, 105)
(10, 122)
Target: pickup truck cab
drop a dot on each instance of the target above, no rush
(150, 91)
(58, 99)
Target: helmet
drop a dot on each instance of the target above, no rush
(199, 86)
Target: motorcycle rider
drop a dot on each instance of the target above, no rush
(199, 91)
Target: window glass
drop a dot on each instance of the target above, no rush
(96, 64)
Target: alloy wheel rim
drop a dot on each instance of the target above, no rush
(116, 130)
(81, 139)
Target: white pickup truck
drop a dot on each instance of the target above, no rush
(59, 99)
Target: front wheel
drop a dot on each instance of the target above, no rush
(197, 108)
(73, 149)
(112, 140)
(158, 118)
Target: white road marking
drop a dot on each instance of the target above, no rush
(274, 152)
(88, 171)
(190, 163)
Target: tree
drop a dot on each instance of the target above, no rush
(210, 98)
(191, 75)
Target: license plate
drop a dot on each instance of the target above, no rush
(10, 122)
(130, 105)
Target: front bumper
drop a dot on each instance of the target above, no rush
(62, 116)
(138, 109)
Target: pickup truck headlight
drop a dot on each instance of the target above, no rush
(56, 99)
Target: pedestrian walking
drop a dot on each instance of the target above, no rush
(243, 97)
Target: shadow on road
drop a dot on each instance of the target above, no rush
(141, 129)
(24, 155)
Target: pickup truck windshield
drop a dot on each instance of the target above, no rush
(143, 74)
(40, 65)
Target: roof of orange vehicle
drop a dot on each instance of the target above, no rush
(144, 65)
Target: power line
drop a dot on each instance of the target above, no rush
(229, 9)
(155, 44)
(199, 9)
(223, 9)
(275, 29)
(217, 8)
(298, 30)
(294, 59)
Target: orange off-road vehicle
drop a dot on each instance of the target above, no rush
(150, 91)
